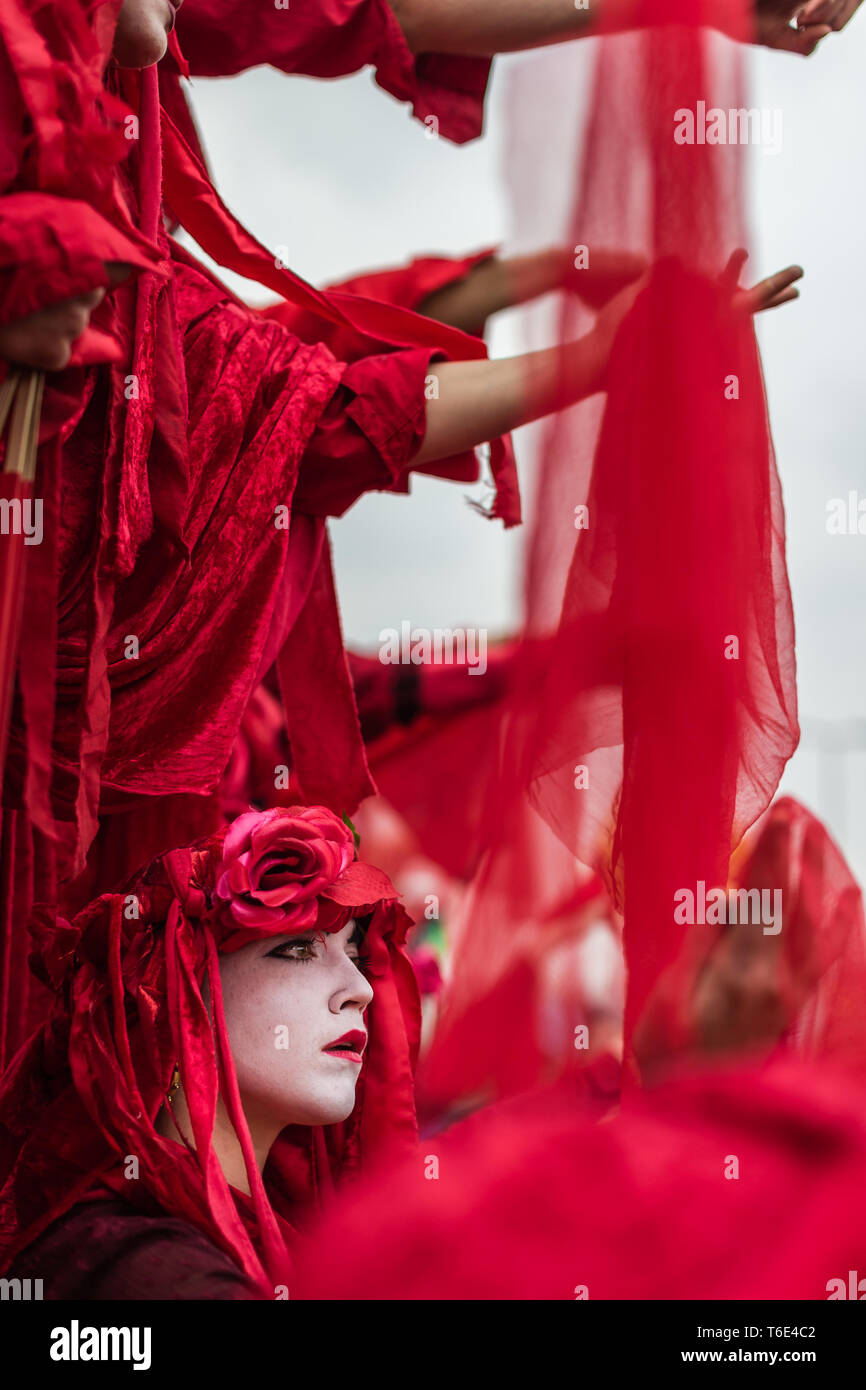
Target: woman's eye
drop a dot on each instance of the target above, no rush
(301, 951)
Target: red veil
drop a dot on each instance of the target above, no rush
(653, 704)
(820, 954)
(127, 974)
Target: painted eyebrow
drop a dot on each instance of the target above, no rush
(307, 938)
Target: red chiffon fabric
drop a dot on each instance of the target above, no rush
(85, 1091)
(653, 704)
(821, 949)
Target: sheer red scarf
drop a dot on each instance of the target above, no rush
(653, 705)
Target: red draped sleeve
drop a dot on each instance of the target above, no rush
(52, 248)
(331, 38)
(410, 284)
(406, 286)
(371, 430)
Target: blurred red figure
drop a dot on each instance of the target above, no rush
(721, 1185)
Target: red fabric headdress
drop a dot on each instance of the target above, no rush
(128, 971)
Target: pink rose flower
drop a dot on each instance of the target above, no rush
(276, 863)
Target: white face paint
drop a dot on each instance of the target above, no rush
(286, 999)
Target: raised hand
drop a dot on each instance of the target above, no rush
(773, 27)
(767, 294)
(834, 13)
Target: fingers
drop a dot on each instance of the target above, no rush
(70, 318)
(774, 284)
(768, 293)
(819, 12)
(803, 41)
(731, 273)
(45, 339)
(32, 347)
(782, 298)
(86, 302)
(836, 13)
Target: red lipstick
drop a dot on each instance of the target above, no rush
(349, 1048)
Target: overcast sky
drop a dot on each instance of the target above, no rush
(339, 174)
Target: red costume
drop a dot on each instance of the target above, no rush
(727, 1185)
(169, 481)
(331, 38)
(86, 1090)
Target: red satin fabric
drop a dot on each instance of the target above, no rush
(407, 286)
(85, 1091)
(331, 38)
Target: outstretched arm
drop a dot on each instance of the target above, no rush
(485, 27)
(483, 400)
(502, 282)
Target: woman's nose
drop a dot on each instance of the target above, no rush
(357, 989)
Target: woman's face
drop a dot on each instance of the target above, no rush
(142, 31)
(287, 1000)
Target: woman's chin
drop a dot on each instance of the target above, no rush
(327, 1110)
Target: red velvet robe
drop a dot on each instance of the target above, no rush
(106, 1250)
(168, 483)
